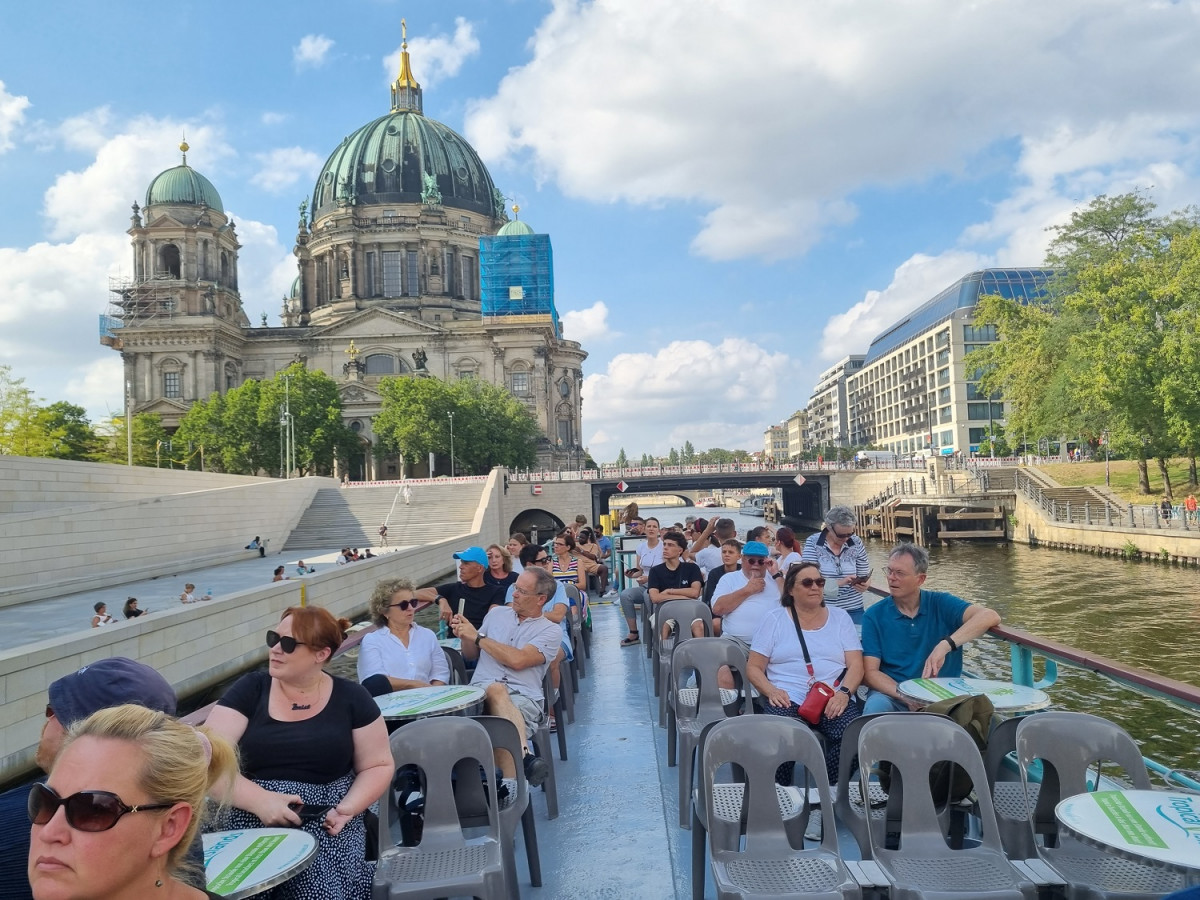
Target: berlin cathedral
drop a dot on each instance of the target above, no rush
(408, 265)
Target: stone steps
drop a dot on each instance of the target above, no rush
(351, 517)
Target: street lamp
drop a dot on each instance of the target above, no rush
(451, 415)
(1107, 476)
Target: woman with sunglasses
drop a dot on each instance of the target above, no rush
(310, 743)
(778, 669)
(122, 806)
(843, 561)
(401, 654)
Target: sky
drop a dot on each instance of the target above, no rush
(739, 192)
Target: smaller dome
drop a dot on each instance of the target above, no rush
(295, 291)
(516, 226)
(183, 186)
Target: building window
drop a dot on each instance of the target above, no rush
(520, 383)
(391, 273)
(468, 278)
(944, 396)
(979, 333)
(173, 385)
(371, 275)
(944, 414)
(380, 364)
(947, 438)
(564, 432)
(466, 373)
(413, 281)
(975, 435)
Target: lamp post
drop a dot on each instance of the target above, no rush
(1107, 476)
(129, 421)
(451, 415)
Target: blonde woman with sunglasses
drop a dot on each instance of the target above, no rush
(401, 654)
(314, 753)
(122, 806)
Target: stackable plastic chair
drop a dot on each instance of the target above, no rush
(1014, 807)
(1068, 745)
(768, 865)
(578, 645)
(472, 804)
(445, 863)
(925, 867)
(458, 666)
(555, 702)
(704, 656)
(683, 613)
(848, 797)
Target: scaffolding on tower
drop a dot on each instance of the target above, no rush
(516, 274)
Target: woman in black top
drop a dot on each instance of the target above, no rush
(308, 738)
(131, 610)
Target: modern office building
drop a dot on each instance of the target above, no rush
(828, 409)
(915, 391)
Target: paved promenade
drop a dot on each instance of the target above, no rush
(40, 620)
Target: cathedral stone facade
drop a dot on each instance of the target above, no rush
(389, 254)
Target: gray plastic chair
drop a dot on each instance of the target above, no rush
(575, 619)
(458, 666)
(683, 612)
(847, 801)
(555, 702)
(472, 804)
(445, 862)
(768, 865)
(925, 867)
(1009, 797)
(704, 656)
(1068, 744)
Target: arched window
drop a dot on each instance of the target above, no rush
(381, 364)
(225, 269)
(168, 260)
(172, 378)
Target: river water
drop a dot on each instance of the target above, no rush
(1140, 614)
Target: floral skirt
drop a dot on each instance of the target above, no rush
(831, 729)
(340, 870)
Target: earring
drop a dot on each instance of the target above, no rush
(158, 882)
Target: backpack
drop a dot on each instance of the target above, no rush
(946, 780)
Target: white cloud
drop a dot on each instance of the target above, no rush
(273, 118)
(266, 269)
(283, 167)
(587, 325)
(656, 401)
(12, 115)
(773, 115)
(437, 58)
(312, 51)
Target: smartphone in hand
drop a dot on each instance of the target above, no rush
(862, 579)
(310, 812)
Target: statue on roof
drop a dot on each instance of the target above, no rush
(499, 202)
(430, 195)
(419, 358)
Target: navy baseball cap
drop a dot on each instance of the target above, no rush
(755, 548)
(109, 682)
(472, 554)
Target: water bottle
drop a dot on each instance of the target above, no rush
(208, 594)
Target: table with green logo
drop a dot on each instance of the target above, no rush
(436, 700)
(1006, 697)
(1157, 827)
(243, 862)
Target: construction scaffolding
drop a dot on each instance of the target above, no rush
(133, 302)
(516, 274)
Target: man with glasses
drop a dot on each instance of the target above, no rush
(649, 555)
(105, 683)
(513, 647)
(843, 561)
(915, 633)
(743, 598)
(476, 594)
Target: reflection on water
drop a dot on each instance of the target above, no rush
(1139, 614)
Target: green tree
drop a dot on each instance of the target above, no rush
(148, 432)
(688, 456)
(68, 429)
(491, 427)
(20, 433)
(646, 460)
(312, 399)
(622, 459)
(673, 457)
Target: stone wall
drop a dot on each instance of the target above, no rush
(1033, 528)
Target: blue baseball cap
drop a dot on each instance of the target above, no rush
(472, 554)
(109, 682)
(755, 548)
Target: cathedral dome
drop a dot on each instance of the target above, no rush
(516, 226)
(406, 158)
(183, 186)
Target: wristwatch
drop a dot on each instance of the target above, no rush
(949, 640)
(777, 575)
(844, 689)
(478, 638)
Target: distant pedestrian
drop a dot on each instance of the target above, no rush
(406, 493)
(257, 544)
(279, 576)
(101, 618)
(189, 594)
(1165, 509)
(383, 535)
(131, 610)
(1190, 505)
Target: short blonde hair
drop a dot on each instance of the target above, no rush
(381, 597)
(180, 764)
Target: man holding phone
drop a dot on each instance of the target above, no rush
(843, 561)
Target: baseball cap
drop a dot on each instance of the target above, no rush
(109, 682)
(472, 554)
(755, 548)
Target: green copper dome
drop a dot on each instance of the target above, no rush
(516, 226)
(184, 186)
(404, 157)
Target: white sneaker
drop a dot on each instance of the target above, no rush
(814, 831)
(608, 595)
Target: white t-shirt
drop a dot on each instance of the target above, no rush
(708, 558)
(382, 653)
(649, 557)
(743, 621)
(776, 640)
(787, 561)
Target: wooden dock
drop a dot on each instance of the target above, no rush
(923, 521)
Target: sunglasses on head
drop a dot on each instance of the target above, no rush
(809, 582)
(86, 810)
(286, 644)
(399, 604)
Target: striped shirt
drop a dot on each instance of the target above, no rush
(834, 567)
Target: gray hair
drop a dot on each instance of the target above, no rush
(918, 555)
(546, 585)
(841, 515)
(381, 598)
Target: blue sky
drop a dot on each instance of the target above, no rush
(738, 193)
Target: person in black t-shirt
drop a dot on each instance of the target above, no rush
(675, 579)
(479, 596)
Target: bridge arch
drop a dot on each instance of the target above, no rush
(536, 524)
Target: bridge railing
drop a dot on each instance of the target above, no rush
(618, 472)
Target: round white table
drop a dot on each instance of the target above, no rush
(438, 700)
(1157, 827)
(1006, 697)
(247, 861)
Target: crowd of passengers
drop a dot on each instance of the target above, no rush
(305, 738)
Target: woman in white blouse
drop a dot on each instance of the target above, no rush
(401, 654)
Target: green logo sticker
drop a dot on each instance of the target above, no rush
(935, 689)
(1133, 829)
(245, 864)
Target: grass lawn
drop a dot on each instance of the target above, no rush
(1124, 478)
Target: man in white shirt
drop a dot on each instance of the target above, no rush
(743, 598)
(649, 555)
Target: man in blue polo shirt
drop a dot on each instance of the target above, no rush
(914, 633)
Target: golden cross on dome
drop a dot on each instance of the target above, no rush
(353, 351)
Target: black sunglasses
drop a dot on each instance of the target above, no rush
(399, 604)
(809, 582)
(86, 810)
(286, 644)
(542, 559)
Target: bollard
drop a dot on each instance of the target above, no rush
(1087, 516)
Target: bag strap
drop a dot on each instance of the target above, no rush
(812, 673)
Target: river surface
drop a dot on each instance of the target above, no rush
(1141, 614)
